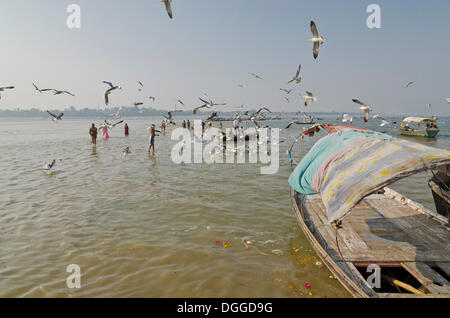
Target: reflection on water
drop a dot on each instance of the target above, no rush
(141, 226)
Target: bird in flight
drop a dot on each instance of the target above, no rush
(255, 75)
(252, 116)
(138, 104)
(448, 100)
(295, 122)
(206, 104)
(169, 118)
(288, 91)
(3, 89)
(316, 40)
(58, 92)
(152, 98)
(142, 85)
(56, 118)
(117, 115)
(111, 126)
(309, 97)
(213, 115)
(41, 90)
(168, 7)
(367, 109)
(297, 77)
(111, 88)
(409, 84)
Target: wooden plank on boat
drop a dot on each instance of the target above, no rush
(428, 277)
(444, 266)
(423, 232)
(372, 239)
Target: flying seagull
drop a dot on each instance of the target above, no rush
(142, 85)
(316, 40)
(112, 88)
(56, 118)
(448, 100)
(295, 122)
(58, 92)
(181, 102)
(207, 104)
(242, 85)
(252, 116)
(117, 115)
(255, 75)
(367, 109)
(152, 98)
(429, 105)
(168, 7)
(309, 97)
(297, 77)
(3, 88)
(40, 90)
(213, 115)
(138, 104)
(111, 126)
(288, 91)
(169, 118)
(409, 84)
(287, 99)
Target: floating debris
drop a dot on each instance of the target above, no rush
(277, 252)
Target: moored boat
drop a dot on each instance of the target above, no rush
(429, 131)
(375, 241)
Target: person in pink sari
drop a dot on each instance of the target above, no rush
(105, 132)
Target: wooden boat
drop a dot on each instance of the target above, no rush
(409, 242)
(357, 225)
(440, 185)
(430, 131)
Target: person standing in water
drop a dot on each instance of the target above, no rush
(127, 130)
(163, 127)
(105, 132)
(93, 133)
(188, 125)
(151, 146)
(183, 124)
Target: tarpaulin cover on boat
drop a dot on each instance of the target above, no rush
(349, 164)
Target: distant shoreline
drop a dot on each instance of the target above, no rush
(146, 112)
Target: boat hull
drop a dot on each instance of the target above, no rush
(426, 133)
(381, 224)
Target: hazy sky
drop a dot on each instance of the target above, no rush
(211, 45)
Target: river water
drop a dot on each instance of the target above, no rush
(143, 226)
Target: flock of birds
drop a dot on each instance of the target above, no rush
(207, 103)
